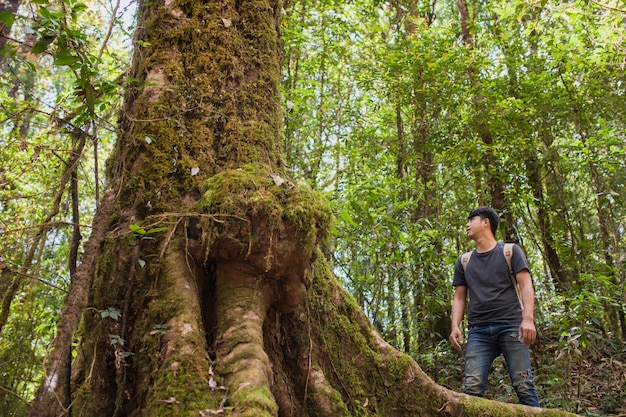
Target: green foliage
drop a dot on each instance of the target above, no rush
(57, 86)
(138, 231)
(111, 312)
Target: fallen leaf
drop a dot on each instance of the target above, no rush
(170, 400)
(194, 171)
(227, 22)
(277, 179)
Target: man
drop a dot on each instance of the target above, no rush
(496, 321)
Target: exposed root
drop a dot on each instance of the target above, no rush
(180, 379)
(242, 303)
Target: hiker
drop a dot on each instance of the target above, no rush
(500, 312)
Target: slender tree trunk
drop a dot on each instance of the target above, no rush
(18, 278)
(495, 184)
(54, 396)
(559, 276)
(617, 316)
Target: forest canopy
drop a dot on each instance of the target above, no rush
(405, 116)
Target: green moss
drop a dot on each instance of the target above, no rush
(237, 192)
(397, 367)
(334, 402)
(476, 406)
(253, 193)
(254, 402)
(183, 391)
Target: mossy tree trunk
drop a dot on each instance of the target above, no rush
(209, 295)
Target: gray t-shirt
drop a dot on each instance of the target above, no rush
(492, 297)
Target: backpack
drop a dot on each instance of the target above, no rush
(508, 254)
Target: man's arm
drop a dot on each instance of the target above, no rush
(527, 331)
(458, 310)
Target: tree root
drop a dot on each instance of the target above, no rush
(241, 306)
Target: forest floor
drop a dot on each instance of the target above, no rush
(587, 378)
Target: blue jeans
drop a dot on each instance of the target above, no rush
(484, 345)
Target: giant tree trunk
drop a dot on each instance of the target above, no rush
(209, 295)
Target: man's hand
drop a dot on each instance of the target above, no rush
(456, 338)
(527, 332)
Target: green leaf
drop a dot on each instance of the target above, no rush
(45, 13)
(42, 44)
(137, 229)
(347, 218)
(116, 339)
(48, 14)
(402, 236)
(111, 312)
(65, 59)
(79, 7)
(7, 17)
(156, 230)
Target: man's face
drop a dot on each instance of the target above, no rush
(475, 226)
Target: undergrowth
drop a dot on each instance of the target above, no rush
(589, 380)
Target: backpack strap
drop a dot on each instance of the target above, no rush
(465, 259)
(508, 254)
